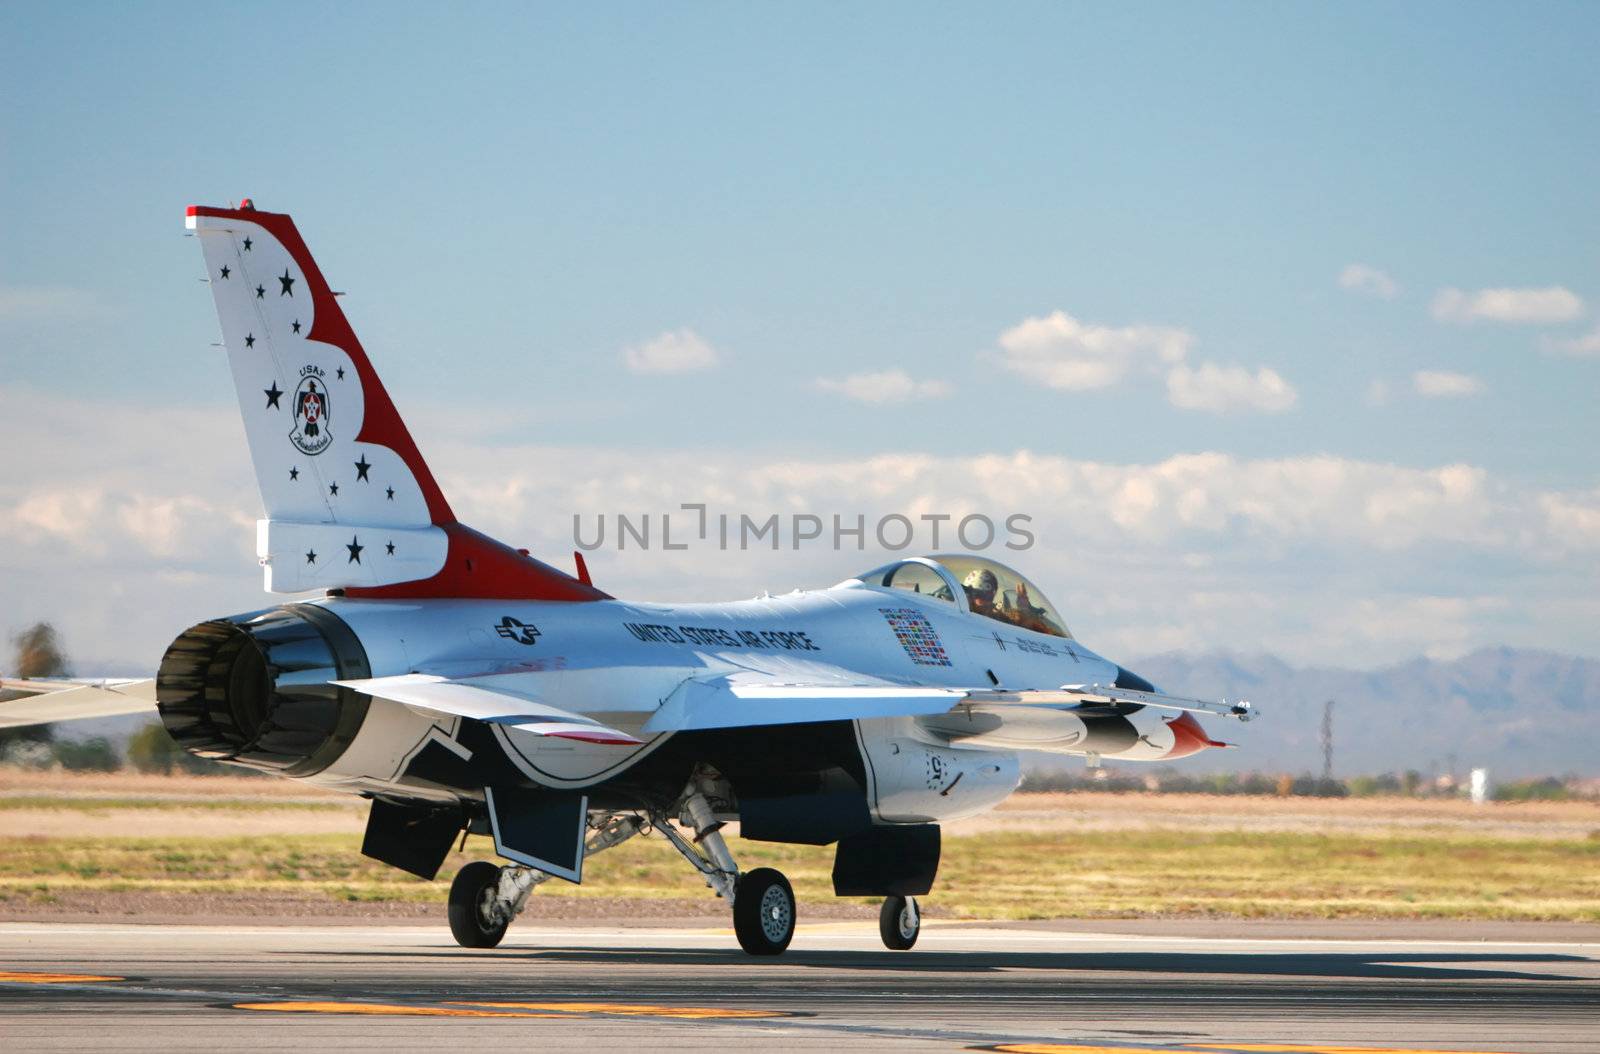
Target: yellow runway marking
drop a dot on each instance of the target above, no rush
(391, 1009)
(26, 977)
(693, 1013)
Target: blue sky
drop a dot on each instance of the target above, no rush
(514, 199)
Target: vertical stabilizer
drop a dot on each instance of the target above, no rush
(349, 501)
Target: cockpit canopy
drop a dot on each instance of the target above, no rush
(976, 584)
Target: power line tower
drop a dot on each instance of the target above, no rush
(1327, 741)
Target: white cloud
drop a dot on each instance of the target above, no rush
(888, 386)
(124, 538)
(1586, 345)
(1221, 389)
(677, 351)
(1443, 384)
(1360, 278)
(1535, 306)
(43, 301)
(1059, 351)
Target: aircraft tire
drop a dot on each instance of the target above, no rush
(899, 923)
(763, 912)
(467, 923)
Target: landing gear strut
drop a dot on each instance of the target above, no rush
(899, 923)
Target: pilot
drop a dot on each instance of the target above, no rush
(983, 589)
(981, 586)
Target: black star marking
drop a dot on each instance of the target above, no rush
(361, 469)
(355, 548)
(250, 340)
(333, 488)
(288, 284)
(260, 292)
(294, 473)
(224, 274)
(341, 373)
(272, 395)
(311, 556)
(297, 325)
(390, 548)
(391, 493)
(247, 245)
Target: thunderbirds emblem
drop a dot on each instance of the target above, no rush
(312, 414)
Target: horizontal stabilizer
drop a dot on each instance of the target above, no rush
(304, 556)
(43, 702)
(433, 694)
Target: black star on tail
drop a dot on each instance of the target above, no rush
(355, 548)
(288, 284)
(272, 395)
(261, 291)
(311, 556)
(362, 468)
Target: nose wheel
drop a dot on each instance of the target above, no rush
(899, 923)
(763, 912)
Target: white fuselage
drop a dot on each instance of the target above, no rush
(620, 661)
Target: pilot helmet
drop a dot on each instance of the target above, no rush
(981, 580)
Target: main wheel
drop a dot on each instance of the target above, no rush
(763, 912)
(471, 897)
(899, 923)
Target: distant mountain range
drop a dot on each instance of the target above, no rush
(1516, 712)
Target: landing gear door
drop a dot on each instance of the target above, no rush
(542, 829)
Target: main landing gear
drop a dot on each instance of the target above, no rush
(484, 897)
(763, 901)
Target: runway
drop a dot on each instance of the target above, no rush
(966, 986)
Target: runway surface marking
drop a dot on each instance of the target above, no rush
(29, 977)
(388, 1009)
(1221, 1048)
(688, 1013)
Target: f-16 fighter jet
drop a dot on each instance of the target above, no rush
(463, 685)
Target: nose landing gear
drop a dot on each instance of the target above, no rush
(899, 923)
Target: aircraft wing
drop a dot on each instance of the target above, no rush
(751, 698)
(41, 702)
(434, 694)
